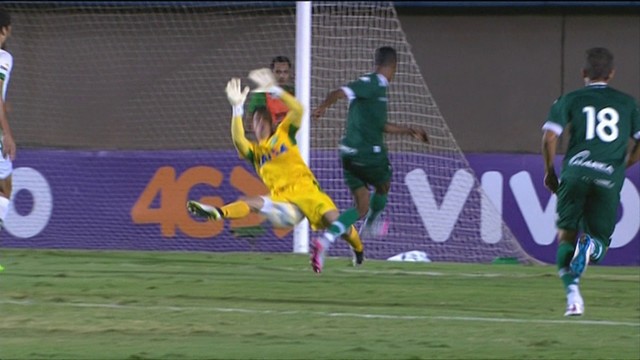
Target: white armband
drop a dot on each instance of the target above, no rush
(238, 110)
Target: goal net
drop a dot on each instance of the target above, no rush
(436, 203)
(122, 105)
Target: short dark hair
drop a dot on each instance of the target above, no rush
(385, 56)
(599, 63)
(280, 59)
(5, 18)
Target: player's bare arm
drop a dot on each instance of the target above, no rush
(549, 145)
(418, 134)
(331, 99)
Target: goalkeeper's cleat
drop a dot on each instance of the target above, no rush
(358, 258)
(575, 309)
(584, 249)
(319, 248)
(204, 210)
(377, 228)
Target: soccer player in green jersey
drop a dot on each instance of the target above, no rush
(363, 151)
(601, 121)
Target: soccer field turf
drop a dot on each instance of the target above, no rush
(142, 305)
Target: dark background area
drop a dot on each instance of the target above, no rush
(494, 68)
(98, 76)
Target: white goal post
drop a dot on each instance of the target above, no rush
(303, 93)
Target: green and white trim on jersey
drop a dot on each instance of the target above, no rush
(6, 64)
(553, 127)
(351, 95)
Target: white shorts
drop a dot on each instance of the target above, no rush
(6, 167)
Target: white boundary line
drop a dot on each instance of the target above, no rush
(479, 274)
(330, 314)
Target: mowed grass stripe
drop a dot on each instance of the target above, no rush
(327, 314)
(155, 305)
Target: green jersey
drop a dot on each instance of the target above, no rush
(602, 119)
(364, 132)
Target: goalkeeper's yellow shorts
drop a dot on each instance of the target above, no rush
(309, 198)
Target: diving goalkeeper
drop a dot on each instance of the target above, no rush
(278, 162)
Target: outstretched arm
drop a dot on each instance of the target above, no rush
(266, 82)
(236, 99)
(294, 116)
(243, 146)
(549, 145)
(419, 134)
(331, 99)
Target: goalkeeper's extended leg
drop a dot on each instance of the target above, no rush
(234, 210)
(204, 210)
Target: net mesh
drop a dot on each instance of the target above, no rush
(144, 77)
(345, 35)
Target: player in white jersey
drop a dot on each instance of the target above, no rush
(7, 143)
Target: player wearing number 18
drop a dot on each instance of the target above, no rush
(601, 121)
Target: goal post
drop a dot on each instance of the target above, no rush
(303, 93)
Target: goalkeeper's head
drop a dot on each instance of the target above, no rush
(386, 60)
(263, 126)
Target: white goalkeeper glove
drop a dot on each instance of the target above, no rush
(266, 81)
(236, 97)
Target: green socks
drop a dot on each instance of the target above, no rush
(344, 222)
(377, 204)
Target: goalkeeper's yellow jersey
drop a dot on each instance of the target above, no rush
(277, 160)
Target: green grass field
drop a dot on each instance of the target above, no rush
(140, 305)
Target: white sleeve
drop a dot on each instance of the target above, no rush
(551, 126)
(6, 63)
(350, 94)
